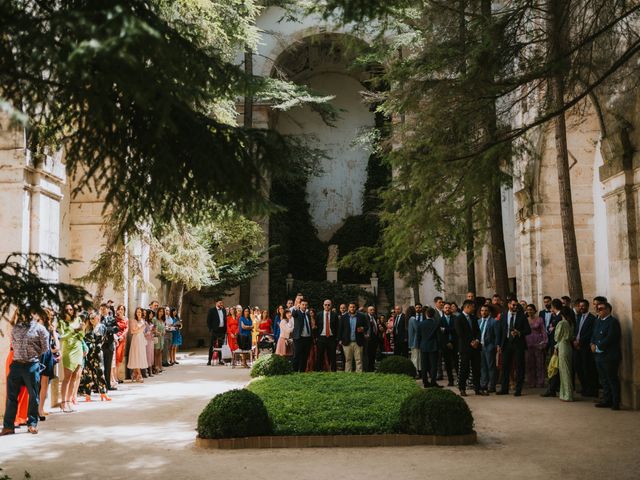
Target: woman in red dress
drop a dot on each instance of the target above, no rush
(23, 397)
(232, 329)
(121, 337)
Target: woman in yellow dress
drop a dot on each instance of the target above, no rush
(564, 350)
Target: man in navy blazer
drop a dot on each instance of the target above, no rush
(353, 327)
(427, 333)
(468, 335)
(302, 336)
(584, 363)
(448, 342)
(605, 343)
(489, 335)
(514, 327)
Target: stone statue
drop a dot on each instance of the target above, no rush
(332, 258)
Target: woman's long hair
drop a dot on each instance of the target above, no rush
(568, 314)
(142, 313)
(158, 316)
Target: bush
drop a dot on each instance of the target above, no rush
(271, 365)
(397, 364)
(435, 411)
(325, 403)
(236, 413)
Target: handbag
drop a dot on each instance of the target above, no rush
(552, 369)
(225, 350)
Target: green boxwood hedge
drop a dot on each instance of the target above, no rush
(270, 365)
(435, 411)
(325, 403)
(232, 414)
(398, 365)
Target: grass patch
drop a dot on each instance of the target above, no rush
(325, 403)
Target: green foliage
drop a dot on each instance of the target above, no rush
(396, 364)
(232, 414)
(324, 403)
(435, 411)
(24, 281)
(271, 365)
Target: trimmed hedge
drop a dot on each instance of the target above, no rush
(435, 411)
(270, 365)
(236, 413)
(326, 403)
(398, 365)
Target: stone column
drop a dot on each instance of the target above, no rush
(621, 199)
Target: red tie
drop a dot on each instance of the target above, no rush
(327, 327)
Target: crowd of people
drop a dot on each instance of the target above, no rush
(92, 351)
(486, 342)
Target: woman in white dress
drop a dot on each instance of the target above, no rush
(286, 327)
(138, 351)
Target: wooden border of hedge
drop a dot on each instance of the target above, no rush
(319, 441)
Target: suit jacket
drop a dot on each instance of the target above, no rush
(333, 324)
(372, 329)
(586, 332)
(400, 328)
(521, 324)
(465, 333)
(110, 329)
(448, 331)
(491, 333)
(345, 328)
(555, 319)
(298, 324)
(213, 321)
(427, 335)
(413, 332)
(606, 337)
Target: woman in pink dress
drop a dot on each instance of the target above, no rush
(137, 360)
(286, 327)
(536, 348)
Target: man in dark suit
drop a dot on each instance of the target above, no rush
(427, 339)
(353, 327)
(514, 327)
(327, 335)
(554, 382)
(302, 333)
(372, 340)
(468, 334)
(546, 313)
(400, 333)
(584, 363)
(448, 342)
(110, 329)
(217, 325)
(489, 334)
(605, 344)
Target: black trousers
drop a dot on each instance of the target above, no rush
(450, 357)
(584, 366)
(370, 350)
(107, 358)
(608, 373)
(301, 349)
(216, 340)
(401, 347)
(326, 345)
(512, 354)
(429, 366)
(469, 360)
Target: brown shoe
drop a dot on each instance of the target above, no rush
(7, 431)
(32, 429)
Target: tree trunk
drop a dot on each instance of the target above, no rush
(471, 254)
(176, 295)
(415, 286)
(494, 202)
(558, 25)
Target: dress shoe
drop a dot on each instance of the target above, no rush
(615, 407)
(463, 393)
(209, 364)
(502, 393)
(7, 431)
(120, 381)
(166, 364)
(42, 418)
(517, 394)
(604, 405)
(548, 394)
(435, 385)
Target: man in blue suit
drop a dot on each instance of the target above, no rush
(584, 364)
(512, 341)
(489, 335)
(605, 344)
(427, 338)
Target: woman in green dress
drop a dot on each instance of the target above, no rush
(71, 339)
(564, 350)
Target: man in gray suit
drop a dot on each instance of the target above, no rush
(488, 341)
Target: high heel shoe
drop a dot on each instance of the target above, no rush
(104, 397)
(87, 398)
(64, 406)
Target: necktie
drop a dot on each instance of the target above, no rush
(584, 315)
(510, 322)
(469, 321)
(306, 323)
(327, 326)
(483, 323)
